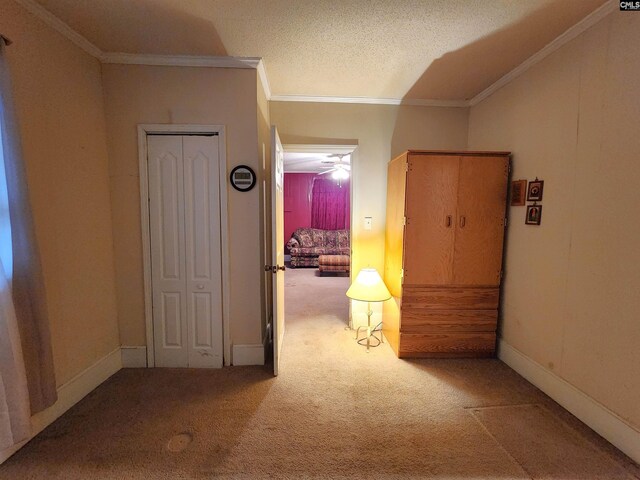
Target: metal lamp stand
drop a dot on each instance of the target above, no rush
(370, 333)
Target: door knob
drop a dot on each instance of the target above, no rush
(274, 268)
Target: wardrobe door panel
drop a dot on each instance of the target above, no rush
(482, 192)
(394, 229)
(432, 190)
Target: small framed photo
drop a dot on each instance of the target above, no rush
(534, 215)
(534, 193)
(518, 192)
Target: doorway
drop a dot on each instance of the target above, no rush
(317, 234)
(183, 195)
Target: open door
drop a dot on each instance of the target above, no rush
(277, 245)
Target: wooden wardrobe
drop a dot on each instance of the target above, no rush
(443, 254)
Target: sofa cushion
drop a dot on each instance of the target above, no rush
(304, 237)
(318, 237)
(331, 238)
(343, 238)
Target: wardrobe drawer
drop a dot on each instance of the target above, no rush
(476, 344)
(443, 298)
(422, 320)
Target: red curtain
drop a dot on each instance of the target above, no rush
(330, 204)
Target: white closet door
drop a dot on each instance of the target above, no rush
(184, 212)
(168, 275)
(203, 254)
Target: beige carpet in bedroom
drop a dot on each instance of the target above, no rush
(334, 412)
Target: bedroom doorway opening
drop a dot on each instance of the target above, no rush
(317, 235)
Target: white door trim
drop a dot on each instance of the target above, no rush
(352, 150)
(318, 148)
(169, 129)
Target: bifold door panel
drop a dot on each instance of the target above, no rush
(184, 214)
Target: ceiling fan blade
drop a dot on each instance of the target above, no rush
(346, 166)
(340, 157)
(327, 171)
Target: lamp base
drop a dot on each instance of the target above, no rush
(366, 340)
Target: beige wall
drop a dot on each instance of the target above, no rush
(381, 132)
(59, 104)
(147, 94)
(571, 298)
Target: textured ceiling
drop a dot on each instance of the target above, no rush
(414, 49)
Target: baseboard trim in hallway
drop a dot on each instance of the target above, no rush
(134, 357)
(248, 354)
(594, 414)
(71, 393)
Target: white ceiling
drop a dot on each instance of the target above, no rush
(309, 162)
(411, 49)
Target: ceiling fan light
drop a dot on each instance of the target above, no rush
(340, 174)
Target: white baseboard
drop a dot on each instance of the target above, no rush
(134, 357)
(248, 354)
(69, 394)
(605, 422)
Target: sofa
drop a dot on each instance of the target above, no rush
(307, 244)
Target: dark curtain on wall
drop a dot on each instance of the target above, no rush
(27, 283)
(329, 204)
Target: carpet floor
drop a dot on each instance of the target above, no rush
(333, 412)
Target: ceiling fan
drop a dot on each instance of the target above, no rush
(340, 168)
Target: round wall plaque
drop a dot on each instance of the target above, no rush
(243, 178)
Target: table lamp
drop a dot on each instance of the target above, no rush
(368, 287)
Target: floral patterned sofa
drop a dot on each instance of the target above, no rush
(307, 244)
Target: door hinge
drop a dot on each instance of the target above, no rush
(509, 166)
(506, 221)
(404, 221)
(401, 276)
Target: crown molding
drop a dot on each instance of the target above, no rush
(180, 60)
(370, 101)
(264, 79)
(54, 22)
(577, 29)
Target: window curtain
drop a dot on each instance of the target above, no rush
(329, 204)
(24, 278)
(15, 415)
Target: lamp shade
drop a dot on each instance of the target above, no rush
(368, 287)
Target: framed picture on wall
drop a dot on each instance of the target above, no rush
(518, 192)
(534, 193)
(534, 215)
